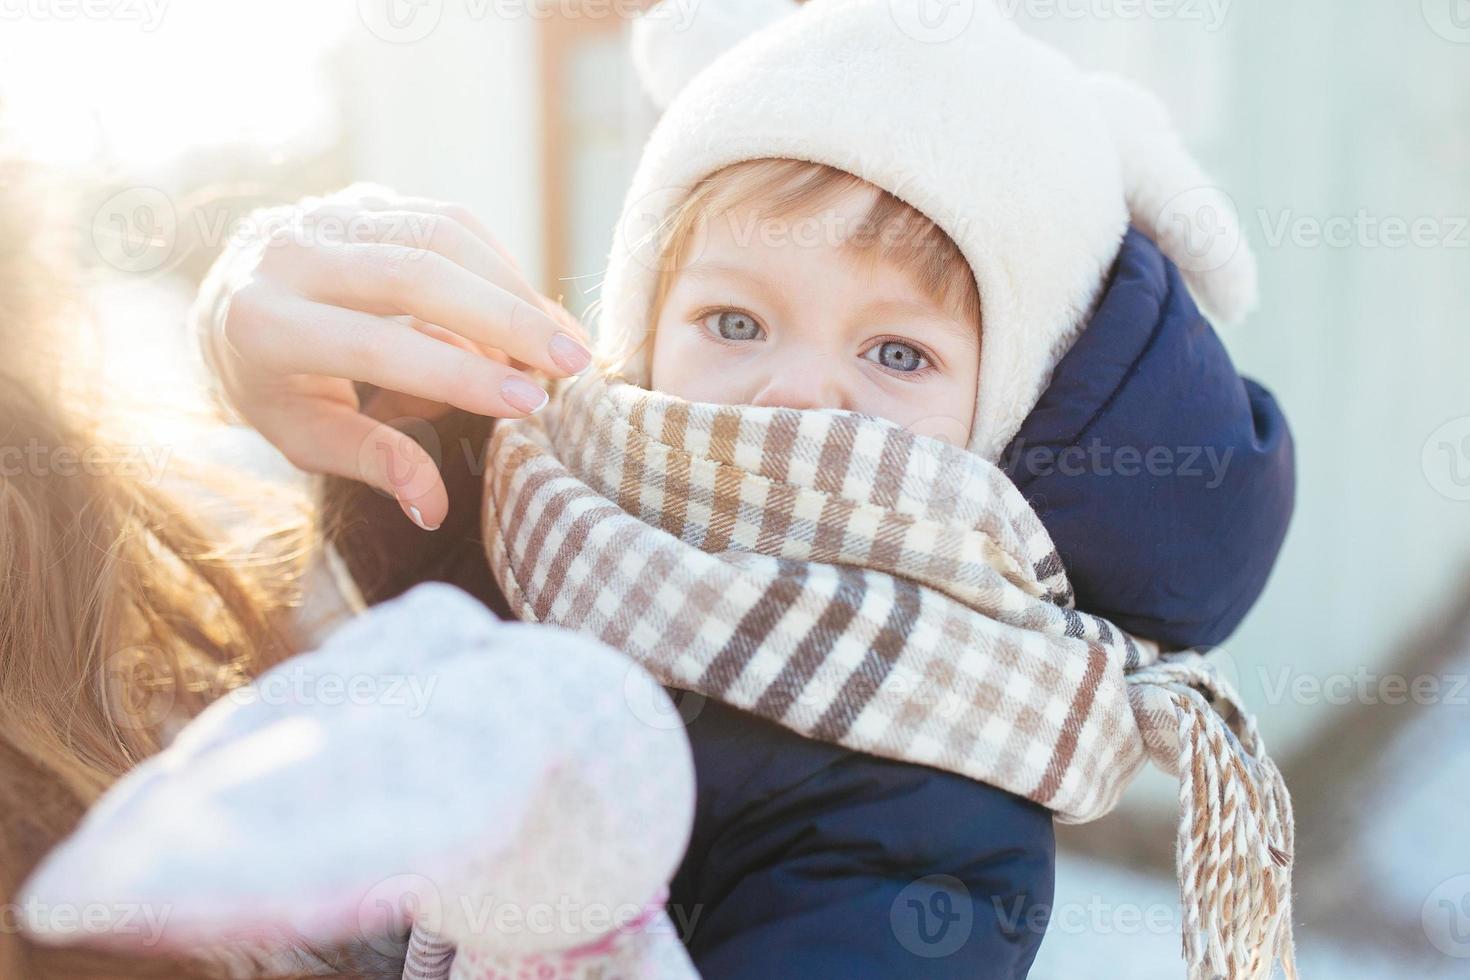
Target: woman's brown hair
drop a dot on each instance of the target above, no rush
(122, 613)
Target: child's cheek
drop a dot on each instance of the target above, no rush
(941, 408)
(676, 367)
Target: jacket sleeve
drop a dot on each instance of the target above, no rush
(1164, 477)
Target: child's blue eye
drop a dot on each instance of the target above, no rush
(897, 356)
(733, 325)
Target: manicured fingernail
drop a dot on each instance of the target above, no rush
(417, 516)
(522, 394)
(569, 355)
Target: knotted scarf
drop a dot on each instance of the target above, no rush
(867, 586)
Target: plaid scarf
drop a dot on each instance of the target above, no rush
(866, 586)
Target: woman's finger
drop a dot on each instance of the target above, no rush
(467, 218)
(448, 229)
(374, 197)
(424, 284)
(384, 403)
(335, 439)
(444, 233)
(381, 351)
(464, 216)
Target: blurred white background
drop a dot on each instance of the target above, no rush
(1341, 132)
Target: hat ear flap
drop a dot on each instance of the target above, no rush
(1174, 202)
(675, 40)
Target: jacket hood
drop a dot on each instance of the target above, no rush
(1165, 478)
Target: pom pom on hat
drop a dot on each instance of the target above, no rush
(674, 40)
(1174, 202)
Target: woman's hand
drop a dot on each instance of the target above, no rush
(412, 296)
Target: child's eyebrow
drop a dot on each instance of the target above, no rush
(753, 281)
(720, 269)
(927, 312)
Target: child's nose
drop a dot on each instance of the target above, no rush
(809, 384)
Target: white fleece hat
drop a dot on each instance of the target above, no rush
(1034, 168)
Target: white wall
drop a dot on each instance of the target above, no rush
(453, 114)
(1310, 111)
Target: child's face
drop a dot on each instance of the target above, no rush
(779, 314)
